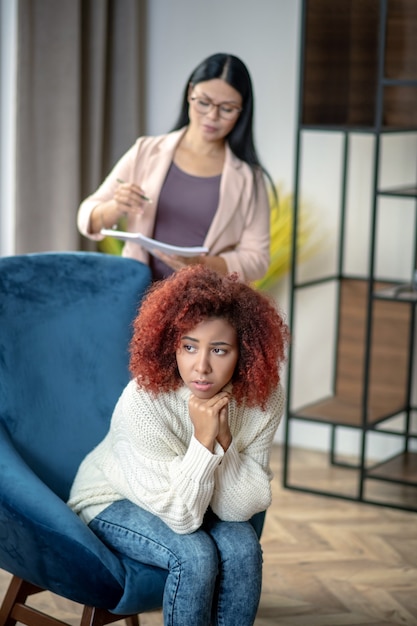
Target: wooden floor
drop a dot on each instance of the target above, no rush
(327, 562)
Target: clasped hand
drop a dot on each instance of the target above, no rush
(210, 420)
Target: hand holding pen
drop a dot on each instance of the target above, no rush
(130, 197)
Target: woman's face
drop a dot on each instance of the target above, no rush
(214, 108)
(207, 357)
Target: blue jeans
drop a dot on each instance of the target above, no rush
(214, 574)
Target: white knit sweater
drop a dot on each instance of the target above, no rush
(151, 457)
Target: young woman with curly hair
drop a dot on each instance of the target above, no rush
(184, 468)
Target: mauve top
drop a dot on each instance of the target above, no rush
(186, 208)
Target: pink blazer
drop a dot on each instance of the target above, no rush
(240, 230)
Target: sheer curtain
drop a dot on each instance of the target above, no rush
(8, 37)
(80, 77)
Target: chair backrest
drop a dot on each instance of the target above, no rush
(65, 325)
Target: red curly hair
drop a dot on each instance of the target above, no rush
(177, 304)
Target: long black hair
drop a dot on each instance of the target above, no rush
(235, 73)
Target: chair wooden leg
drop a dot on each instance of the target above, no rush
(132, 620)
(14, 609)
(100, 617)
(13, 606)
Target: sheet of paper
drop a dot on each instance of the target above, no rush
(151, 244)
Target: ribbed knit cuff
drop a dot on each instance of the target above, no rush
(229, 469)
(199, 463)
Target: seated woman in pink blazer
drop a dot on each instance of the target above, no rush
(204, 181)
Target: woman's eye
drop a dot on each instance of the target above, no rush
(204, 103)
(219, 351)
(226, 109)
(189, 348)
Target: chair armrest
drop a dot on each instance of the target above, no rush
(43, 540)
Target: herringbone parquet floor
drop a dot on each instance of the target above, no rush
(327, 562)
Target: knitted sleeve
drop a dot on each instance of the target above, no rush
(243, 480)
(153, 459)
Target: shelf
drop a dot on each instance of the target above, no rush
(401, 468)
(388, 371)
(358, 75)
(393, 82)
(398, 293)
(340, 411)
(400, 192)
(401, 40)
(341, 44)
(363, 130)
(340, 80)
(400, 106)
(315, 475)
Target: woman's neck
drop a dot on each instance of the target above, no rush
(195, 144)
(198, 157)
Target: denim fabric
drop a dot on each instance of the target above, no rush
(214, 574)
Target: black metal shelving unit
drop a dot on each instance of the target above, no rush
(358, 74)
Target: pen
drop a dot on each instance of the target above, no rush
(119, 180)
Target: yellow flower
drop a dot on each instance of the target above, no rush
(281, 237)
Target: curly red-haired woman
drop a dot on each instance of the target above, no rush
(184, 467)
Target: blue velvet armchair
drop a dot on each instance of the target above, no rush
(65, 325)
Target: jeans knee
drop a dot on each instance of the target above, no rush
(251, 555)
(200, 559)
(242, 549)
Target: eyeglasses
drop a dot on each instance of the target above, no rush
(204, 105)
